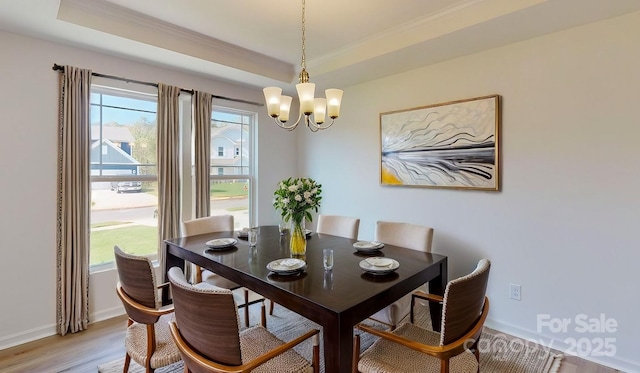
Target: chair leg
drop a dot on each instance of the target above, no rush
(263, 313)
(316, 354)
(444, 366)
(198, 274)
(127, 361)
(356, 353)
(246, 307)
(413, 303)
(270, 308)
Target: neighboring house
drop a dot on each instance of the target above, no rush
(229, 151)
(112, 154)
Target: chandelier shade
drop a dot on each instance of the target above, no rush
(279, 105)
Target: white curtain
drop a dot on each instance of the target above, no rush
(202, 145)
(74, 194)
(168, 166)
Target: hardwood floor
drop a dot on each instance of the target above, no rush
(78, 353)
(104, 342)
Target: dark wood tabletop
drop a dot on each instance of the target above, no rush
(336, 299)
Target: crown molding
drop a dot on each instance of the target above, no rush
(116, 20)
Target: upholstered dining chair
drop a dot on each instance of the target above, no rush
(412, 348)
(148, 339)
(410, 236)
(207, 333)
(212, 224)
(336, 225)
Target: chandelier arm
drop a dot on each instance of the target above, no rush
(314, 127)
(284, 125)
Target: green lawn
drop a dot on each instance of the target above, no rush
(135, 239)
(229, 189)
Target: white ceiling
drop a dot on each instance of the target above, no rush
(258, 42)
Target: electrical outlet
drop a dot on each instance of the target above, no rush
(514, 291)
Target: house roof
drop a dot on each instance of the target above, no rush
(113, 133)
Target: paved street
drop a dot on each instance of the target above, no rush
(139, 208)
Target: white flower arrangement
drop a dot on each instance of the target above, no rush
(296, 198)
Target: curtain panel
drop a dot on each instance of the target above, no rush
(202, 106)
(168, 147)
(73, 201)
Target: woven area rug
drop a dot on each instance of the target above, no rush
(498, 353)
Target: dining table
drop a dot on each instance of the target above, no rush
(335, 299)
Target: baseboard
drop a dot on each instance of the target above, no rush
(27, 336)
(613, 362)
(107, 314)
(49, 330)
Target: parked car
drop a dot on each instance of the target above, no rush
(127, 186)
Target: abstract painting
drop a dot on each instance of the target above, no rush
(448, 145)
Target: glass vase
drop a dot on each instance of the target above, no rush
(298, 243)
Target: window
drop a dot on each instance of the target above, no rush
(231, 177)
(123, 174)
(124, 197)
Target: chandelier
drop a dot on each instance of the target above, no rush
(279, 105)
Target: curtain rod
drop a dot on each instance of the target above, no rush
(57, 67)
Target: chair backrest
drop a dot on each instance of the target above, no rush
(207, 318)
(411, 236)
(335, 225)
(463, 303)
(137, 280)
(208, 224)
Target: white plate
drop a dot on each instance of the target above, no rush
(221, 243)
(379, 265)
(244, 233)
(368, 245)
(287, 266)
(307, 232)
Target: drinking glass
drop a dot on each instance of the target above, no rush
(253, 236)
(327, 259)
(283, 227)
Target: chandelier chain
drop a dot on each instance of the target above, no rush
(304, 60)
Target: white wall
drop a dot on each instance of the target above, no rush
(28, 167)
(565, 224)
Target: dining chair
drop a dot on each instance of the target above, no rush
(212, 224)
(336, 225)
(206, 331)
(148, 339)
(412, 348)
(410, 236)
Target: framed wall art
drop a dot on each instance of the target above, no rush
(448, 145)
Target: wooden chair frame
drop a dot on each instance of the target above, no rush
(151, 331)
(469, 341)
(214, 367)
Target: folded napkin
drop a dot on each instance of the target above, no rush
(290, 262)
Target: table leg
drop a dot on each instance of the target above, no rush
(170, 260)
(338, 347)
(437, 286)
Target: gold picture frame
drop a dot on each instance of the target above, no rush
(448, 145)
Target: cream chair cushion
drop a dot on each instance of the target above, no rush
(411, 236)
(335, 225)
